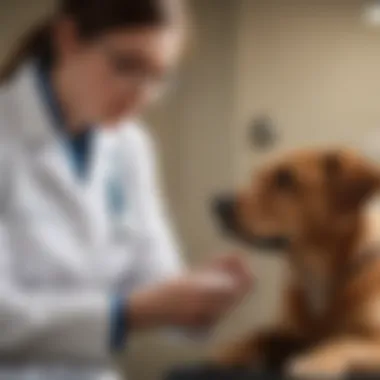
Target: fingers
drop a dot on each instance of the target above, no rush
(216, 283)
(238, 267)
(214, 293)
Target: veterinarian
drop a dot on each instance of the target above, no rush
(86, 252)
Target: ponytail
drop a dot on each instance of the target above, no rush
(35, 43)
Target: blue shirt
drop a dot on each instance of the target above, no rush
(79, 148)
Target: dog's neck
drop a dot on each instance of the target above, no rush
(323, 262)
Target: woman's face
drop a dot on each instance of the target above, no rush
(119, 74)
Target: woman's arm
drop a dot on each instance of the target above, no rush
(159, 255)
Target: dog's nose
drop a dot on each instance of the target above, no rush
(224, 208)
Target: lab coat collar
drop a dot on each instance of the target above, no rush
(48, 96)
(78, 147)
(37, 135)
(33, 114)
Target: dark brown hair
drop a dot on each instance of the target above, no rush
(92, 18)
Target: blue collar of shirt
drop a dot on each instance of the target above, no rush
(79, 146)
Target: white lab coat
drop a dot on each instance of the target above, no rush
(62, 253)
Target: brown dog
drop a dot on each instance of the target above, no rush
(314, 206)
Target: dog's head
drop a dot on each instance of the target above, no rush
(302, 193)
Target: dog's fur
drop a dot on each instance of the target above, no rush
(317, 200)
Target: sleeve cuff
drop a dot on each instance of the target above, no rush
(119, 323)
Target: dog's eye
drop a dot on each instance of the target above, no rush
(331, 165)
(284, 179)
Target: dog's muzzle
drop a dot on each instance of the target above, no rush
(225, 209)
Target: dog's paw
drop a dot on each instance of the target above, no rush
(316, 368)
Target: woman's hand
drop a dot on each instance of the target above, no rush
(198, 299)
(236, 267)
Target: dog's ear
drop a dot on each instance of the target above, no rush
(350, 180)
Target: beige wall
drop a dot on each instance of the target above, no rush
(16, 16)
(197, 122)
(313, 66)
